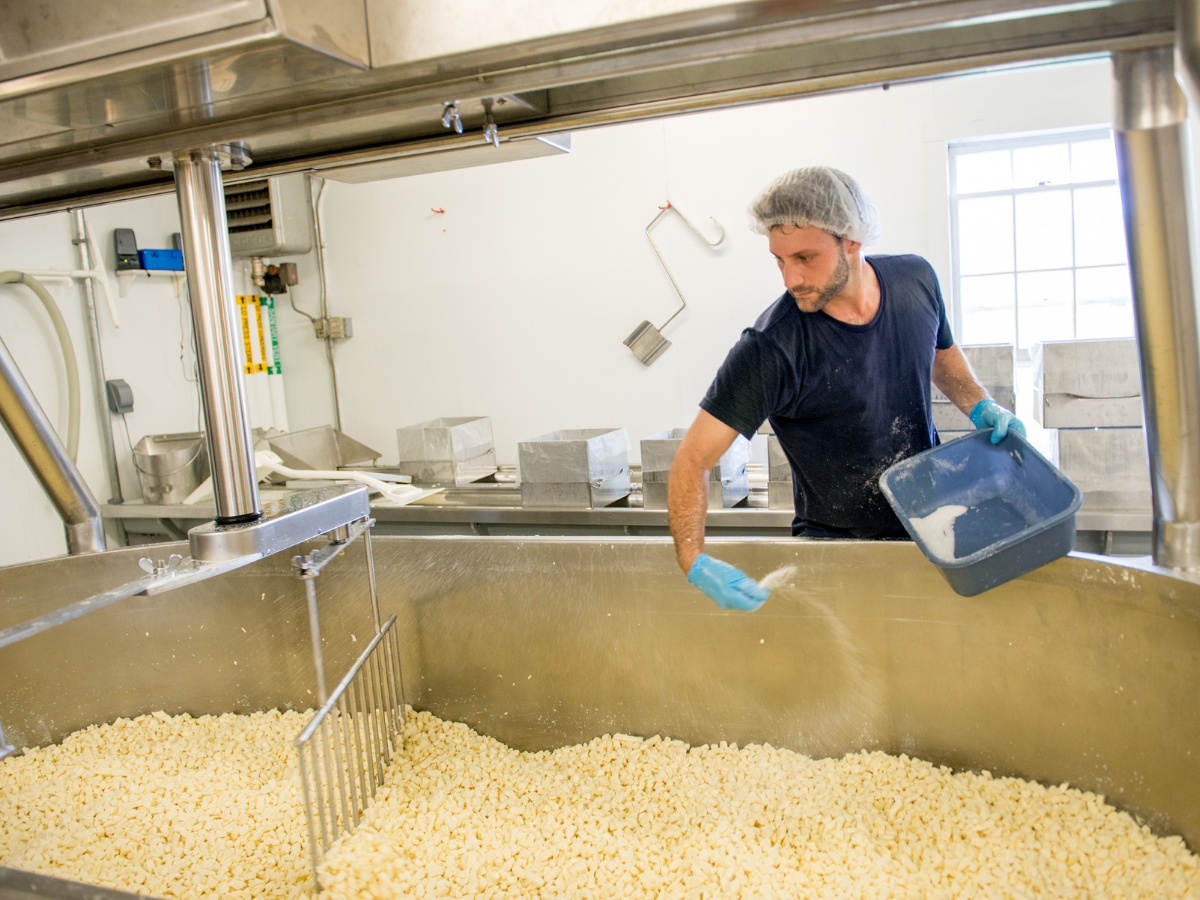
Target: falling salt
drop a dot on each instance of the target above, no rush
(937, 530)
(781, 576)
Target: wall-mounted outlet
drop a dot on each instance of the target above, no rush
(334, 327)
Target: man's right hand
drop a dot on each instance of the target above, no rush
(728, 586)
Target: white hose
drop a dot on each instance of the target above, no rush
(68, 351)
(266, 462)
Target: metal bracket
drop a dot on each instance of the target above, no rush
(217, 549)
(311, 564)
(283, 523)
(186, 571)
(491, 134)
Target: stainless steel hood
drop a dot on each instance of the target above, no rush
(92, 91)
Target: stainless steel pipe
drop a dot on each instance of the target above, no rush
(1154, 160)
(214, 318)
(35, 437)
(108, 447)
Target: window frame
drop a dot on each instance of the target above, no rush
(967, 146)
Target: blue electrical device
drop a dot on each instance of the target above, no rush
(1020, 509)
(161, 260)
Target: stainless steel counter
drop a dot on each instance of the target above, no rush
(495, 509)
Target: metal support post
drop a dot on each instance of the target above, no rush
(210, 289)
(108, 447)
(1154, 161)
(314, 632)
(371, 578)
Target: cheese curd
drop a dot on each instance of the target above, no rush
(183, 807)
(165, 805)
(463, 815)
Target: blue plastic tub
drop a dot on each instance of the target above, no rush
(161, 260)
(1020, 509)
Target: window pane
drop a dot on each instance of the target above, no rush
(990, 171)
(987, 310)
(1048, 164)
(985, 235)
(1093, 160)
(1104, 303)
(1044, 307)
(1099, 231)
(1044, 230)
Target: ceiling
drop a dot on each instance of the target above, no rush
(312, 85)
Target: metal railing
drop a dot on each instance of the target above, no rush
(346, 746)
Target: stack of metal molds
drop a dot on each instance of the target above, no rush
(447, 451)
(993, 365)
(779, 476)
(728, 482)
(1090, 392)
(578, 468)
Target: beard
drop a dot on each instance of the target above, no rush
(815, 302)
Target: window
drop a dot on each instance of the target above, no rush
(1038, 240)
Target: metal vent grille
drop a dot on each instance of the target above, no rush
(248, 207)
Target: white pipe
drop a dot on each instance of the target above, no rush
(97, 275)
(68, 352)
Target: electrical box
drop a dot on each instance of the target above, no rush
(127, 249)
(120, 396)
(334, 328)
(269, 217)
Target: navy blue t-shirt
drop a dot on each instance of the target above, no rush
(846, 401)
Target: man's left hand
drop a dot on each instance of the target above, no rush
(990, 414)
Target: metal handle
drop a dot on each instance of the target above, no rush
(671, 206)
(601, 481)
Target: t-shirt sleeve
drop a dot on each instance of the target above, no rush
(747, 385)
(945, 337)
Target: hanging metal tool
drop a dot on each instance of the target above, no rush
(646, 341)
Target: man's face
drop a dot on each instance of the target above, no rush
(813, 264)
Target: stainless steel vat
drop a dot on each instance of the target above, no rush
(1085, 671)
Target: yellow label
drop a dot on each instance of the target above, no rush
(249, 367)
(262, 365)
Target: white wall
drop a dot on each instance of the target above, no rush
(514, 303)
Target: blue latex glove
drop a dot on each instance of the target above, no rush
(728, 585)
(990, 414)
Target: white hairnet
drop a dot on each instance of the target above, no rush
(818, 196)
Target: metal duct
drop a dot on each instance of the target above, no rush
(1154, 159)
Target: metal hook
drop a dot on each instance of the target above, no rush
(666, 209)
(450, 116)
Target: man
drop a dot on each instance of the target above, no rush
(840, 364)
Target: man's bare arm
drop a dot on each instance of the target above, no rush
(687, 488)
(953, 376)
